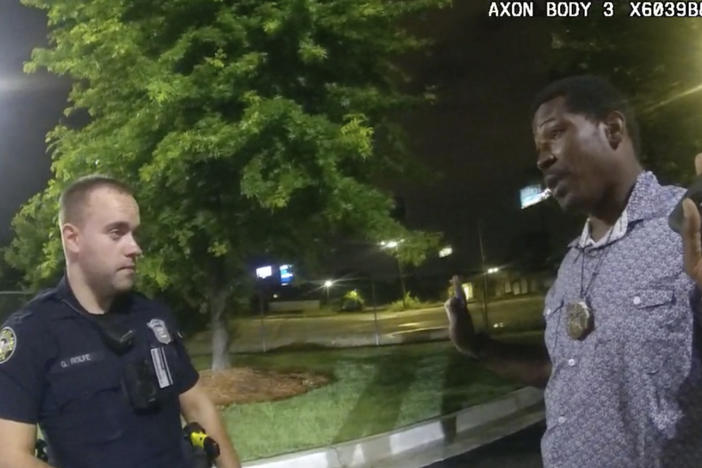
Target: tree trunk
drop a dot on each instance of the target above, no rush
(401, 272)
(220, 329)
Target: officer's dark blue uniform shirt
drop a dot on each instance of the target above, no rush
(57, 371)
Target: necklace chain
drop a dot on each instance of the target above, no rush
(596, 271)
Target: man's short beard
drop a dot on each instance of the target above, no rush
(106, 286)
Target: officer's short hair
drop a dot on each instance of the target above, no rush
(74, 197)
(593, 97)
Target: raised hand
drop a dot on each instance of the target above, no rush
(692, 247)
(461, 328)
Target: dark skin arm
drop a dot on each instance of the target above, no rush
(525, 363)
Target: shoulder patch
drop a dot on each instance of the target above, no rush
(160, 330)
(8, 343)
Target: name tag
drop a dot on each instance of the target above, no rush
(163, 372)
(80, 360)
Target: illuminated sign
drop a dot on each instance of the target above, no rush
(286, 274)
(264, 272)
(533, 194)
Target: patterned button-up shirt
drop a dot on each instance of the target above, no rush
(630, 393)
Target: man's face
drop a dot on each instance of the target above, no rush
(574, 156)
(106, 248)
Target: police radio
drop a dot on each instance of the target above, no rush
(117, 339)
(116, 336)
(139, 383)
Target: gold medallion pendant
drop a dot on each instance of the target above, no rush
(580, 320)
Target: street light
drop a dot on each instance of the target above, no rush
(328, 284)
(390, 244)
(393, 244)
(446, 251)
(486, 272)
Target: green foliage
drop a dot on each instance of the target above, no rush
(658, 63)
(354, 295)
(246, 127)
(410, 302)
(352, 300)
(413, 247)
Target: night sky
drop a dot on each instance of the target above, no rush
(476, 140)
(30, 105)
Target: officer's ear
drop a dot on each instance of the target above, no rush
(69, 234)
(614, 127)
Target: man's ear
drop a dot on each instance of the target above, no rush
(70, 235)
(615, 128)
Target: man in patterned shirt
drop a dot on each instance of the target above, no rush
(623, 366)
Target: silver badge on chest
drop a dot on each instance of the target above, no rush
(160, 330)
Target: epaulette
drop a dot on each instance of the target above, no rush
(28, 308)
(18, 316)
(42, 296)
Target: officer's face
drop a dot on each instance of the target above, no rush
(573, 155)
(106, 247)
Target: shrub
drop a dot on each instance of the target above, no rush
(410, 302)
(352, 301)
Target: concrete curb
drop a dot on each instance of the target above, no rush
(350, 341)
(426, 442)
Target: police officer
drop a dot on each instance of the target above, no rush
(100, 368)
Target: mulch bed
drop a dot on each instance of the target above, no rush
(248, 385)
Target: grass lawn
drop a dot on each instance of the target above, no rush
(373, 390)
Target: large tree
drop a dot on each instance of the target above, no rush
(246, 127)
